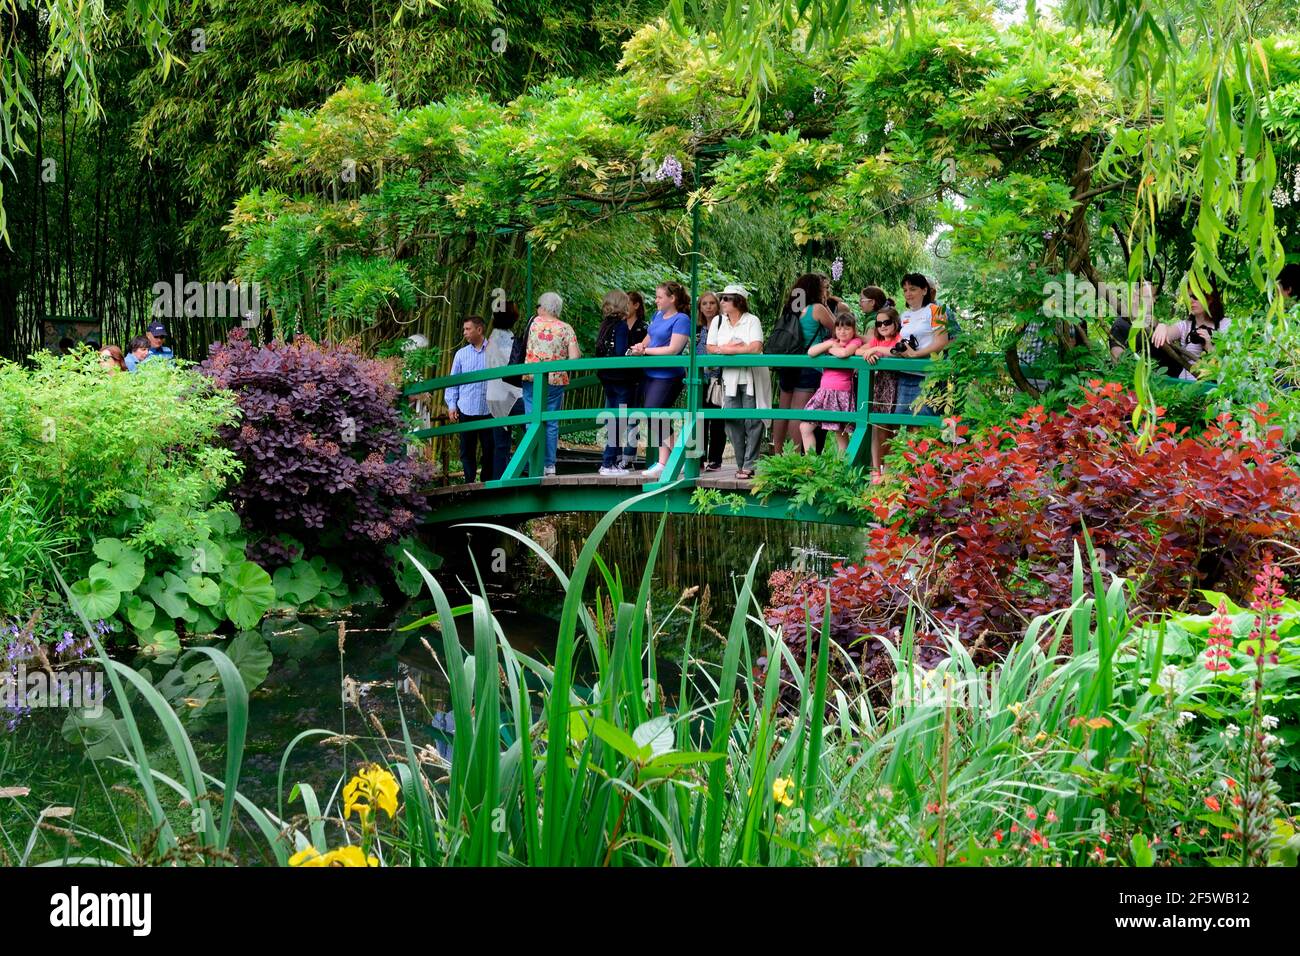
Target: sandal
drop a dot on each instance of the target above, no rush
(710, 466)
(744, 475)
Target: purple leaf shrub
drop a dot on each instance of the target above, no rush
(323, 449)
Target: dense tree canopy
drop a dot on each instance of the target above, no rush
(1016, 135)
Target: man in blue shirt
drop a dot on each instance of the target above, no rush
(468, 403)
(156, 336)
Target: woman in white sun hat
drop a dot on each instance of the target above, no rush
(738, 332)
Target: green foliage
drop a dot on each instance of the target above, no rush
(119, 453)
(29, 543)
(713, 501)
(827, 481)
(71, 32)
(131, 473)
(1098, 739)
(1249, 368)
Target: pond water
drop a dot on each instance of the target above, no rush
(377, 665)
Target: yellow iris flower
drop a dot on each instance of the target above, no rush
(343, 856)
(372, 788)
(781, 788)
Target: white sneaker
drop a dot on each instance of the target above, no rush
(609, 471)
(548, 471)
(652, 474)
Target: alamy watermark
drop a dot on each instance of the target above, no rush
(623, 430)
(1081, 299)
(80, 689)
(208, 300)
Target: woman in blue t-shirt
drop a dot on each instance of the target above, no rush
(669, 333)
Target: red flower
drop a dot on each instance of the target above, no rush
(1031, 814)
(997, 835)
(1213, 803)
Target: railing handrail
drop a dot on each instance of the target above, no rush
(530, 450)
(915, 366)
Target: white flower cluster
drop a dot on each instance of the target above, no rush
(1171, 680)
(1286, 193)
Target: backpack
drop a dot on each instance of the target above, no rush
(786, 337)
(518, 352)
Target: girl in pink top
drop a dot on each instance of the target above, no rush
(836, 392)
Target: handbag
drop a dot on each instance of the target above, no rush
(518, 352)
(715, 393)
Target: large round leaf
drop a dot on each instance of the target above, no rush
(297, 583)
(140, 613)
(247, 651)
(248, 592)
(97, 598)
(203, 590)
(170, 594)
(119, 565)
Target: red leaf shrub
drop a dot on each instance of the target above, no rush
(323, 449)
(982, 534)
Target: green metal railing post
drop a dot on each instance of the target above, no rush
(537, 463)
(860, 444)
(691, 430)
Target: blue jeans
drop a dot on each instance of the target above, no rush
(554, 399)
(909, 390)
(625, 395)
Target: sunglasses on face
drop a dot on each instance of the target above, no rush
(887, 324)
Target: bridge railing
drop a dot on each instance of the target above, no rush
(684, 458)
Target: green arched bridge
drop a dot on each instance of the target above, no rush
(522, 490)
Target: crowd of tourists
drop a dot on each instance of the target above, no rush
(812, 321)
(143, 348)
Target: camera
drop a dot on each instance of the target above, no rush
(1195, 337)
(902, 345)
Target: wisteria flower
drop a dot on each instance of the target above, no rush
(670, 168)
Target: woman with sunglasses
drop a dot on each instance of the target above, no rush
(885, 334)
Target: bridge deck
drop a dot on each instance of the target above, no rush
(724, 479)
